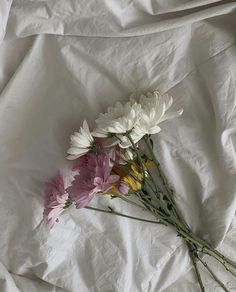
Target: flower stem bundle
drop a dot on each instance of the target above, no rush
(117, 159)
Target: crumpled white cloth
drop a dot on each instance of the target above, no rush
(65, 61)
(5, 6)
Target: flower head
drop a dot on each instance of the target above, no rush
(81, 142)
(94, 177)
(119, 119)
(135, 119)
(155, 109)
(55, 199)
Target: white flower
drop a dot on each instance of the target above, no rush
(154, 111)
(81, 142)
(127, 155)
(134, 134)
(135, 119)
(118, 120)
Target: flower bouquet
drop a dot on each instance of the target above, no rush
(117, 159)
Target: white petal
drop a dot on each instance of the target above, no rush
(72, 157)
(168, 101)
(86, 132)
(160, 112)
(154, 130)
(80, 141)
(85, 126)
(171, 115)
(77, 151)
(125, 144)
(99, 133)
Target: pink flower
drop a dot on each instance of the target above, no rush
(110, 147)
(55, 199)
(94, 177)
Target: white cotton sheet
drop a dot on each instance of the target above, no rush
(65, 61)
(4, 13)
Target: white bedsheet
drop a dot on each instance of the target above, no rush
(64, 61)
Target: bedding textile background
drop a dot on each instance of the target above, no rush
(65, 61)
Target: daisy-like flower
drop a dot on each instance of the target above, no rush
(118, 120)
(56, 200)
(94, 177)
(81, 142)
(136, 119)
(155, 109)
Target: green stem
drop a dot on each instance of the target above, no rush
(138, 155)
(213, 275)
(140, 161)
(206, 248)
(191, 238)
(122, 197)
(147, 141)
(122, 215)
(153, 189)
(222, 260)
(193, 259)
(166, 188)
(153, 208)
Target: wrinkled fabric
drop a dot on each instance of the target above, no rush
(5, 6)
(65, 61)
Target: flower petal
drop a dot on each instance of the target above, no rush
(113, 179)
(154, 130)
(171, 115)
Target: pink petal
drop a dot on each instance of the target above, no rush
(54, 213)
(123, 188)
(113, 178)
(98, 181)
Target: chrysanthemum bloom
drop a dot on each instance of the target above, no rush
(136, 119)
(155, 109)
(56, 200)
(94, 177)
(81, 142)
(118, 120)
